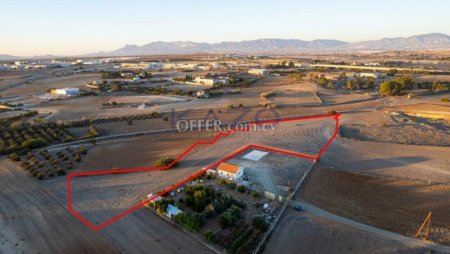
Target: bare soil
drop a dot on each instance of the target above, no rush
(396, 205)
(34, 220)
(306, 233)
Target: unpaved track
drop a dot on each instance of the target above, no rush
(33, 220)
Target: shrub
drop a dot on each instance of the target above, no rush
(192, 222)
(164, 161)
(391, 87)
(255, 194)
(231, 185)
(209, 211)
(14, 157)
(331, 112)
(34, 143)
(241, 188)
(82, 149)
(260, 223)
(40, 176)
(230, 217)
(60, 172)
(162, 204)
(445, 99)
(210, 236)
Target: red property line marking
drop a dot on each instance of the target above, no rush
(199, 173)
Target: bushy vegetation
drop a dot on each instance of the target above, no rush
(164, 161)
(283, 64)
(396, 86)
(121, 74)
(89, 122)
(210, 236)
(43, 164)
(230, 217)
(19, 137)
(296, 76)
(191, 221)
(260, 223)
(162, 204)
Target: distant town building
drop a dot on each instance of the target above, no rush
(4, 67)
(259, 71)
(230, 171)
(66, 91)
(142, 65)
(182, 66)
(210, 81)
(368, 74)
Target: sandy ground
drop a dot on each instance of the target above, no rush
(306, 233)
(396, 205)
(400, 128)
(42, 85)
(34, 220)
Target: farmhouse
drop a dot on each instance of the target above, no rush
(230, 171)
(258, 71)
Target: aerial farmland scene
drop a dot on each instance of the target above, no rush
(231, 127)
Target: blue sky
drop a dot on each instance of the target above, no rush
(75, 27)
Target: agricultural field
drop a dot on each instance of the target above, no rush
(386, 168)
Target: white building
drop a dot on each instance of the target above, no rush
(368, 74)
(230, 171)
(183, 66)
(259, 71)
(66, 91)
(202, 94)
(210, 81)
(4, 67)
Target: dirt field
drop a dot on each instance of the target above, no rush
(392, 204)
(34, 220)
(42, 85)
(402, 129)
(307, 233)
(139, 152)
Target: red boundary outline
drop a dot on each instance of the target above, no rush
(199, 173)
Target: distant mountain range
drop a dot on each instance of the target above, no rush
(281, 46)
(425, 41)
